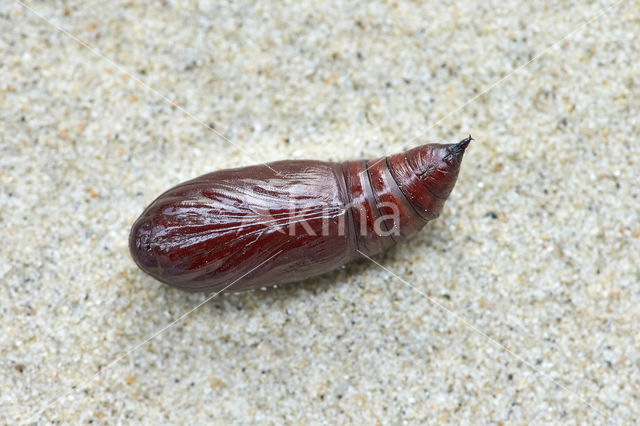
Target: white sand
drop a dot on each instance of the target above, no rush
(536, 257)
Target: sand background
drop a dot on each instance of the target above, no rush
(520, 304)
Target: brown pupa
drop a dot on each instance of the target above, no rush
(238, 229)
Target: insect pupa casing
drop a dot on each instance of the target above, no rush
(243, 228)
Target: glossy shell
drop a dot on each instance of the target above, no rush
(238, 229)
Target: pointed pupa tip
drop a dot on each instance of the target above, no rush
(458, 149)
(462, 145)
